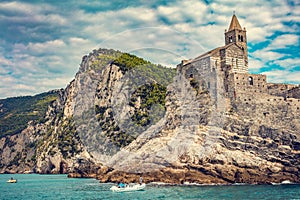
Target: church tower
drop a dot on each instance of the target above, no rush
(237, 35)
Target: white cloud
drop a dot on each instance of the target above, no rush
(284, 40)
(4, 61)
(288, 63)
(183, 11)
(255, 64)
(45, 47)
(18, 7)
(25, 12)
(267, 55)
(77, 40)
(283, 76)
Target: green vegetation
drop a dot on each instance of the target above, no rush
(68, 139)
(150, 95)
(105, 59)
(140, 68)
(16, 112)
(127, 61)
(148, 83)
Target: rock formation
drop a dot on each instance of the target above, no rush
(202, 136)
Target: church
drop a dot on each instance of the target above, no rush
(225, 69)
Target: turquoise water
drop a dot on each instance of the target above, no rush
(34, 186)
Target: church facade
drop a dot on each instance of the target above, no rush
(224, 70)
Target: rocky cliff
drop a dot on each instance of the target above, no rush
(122, 117)
(79, 131)
(206, 137)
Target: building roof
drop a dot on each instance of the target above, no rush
(209, 53)
(212, 52)
(234, 24)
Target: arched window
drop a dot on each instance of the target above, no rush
(230, 38)
(250, 80)
(242, 39)
(239, 38)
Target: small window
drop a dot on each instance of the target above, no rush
(250, 80)
(230, 38)
(242, 39)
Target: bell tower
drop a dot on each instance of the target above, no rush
(237, 35)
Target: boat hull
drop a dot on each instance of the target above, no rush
(128, 188)
(12, 181)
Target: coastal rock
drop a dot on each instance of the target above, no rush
(227, 140)
(166, 175)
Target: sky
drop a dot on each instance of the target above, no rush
(42, 42)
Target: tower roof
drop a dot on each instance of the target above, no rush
(234, 24)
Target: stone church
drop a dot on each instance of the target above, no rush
(224, 71)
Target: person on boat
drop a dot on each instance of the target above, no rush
(121, 185)
(141, 180)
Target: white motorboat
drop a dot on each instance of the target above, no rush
(12, 181)
(128, 188)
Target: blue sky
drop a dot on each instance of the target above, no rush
(42, 42)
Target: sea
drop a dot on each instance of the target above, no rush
(35, 186)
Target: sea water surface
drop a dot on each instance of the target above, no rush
(34, 186)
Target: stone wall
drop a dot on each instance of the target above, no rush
(269, 110)
(279, 89)
(234, 56)
(294, 93)
(249, 83)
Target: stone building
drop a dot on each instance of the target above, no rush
(224, 70)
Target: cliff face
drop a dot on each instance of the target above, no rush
(122, 116)
(208, 137)
(81, 129)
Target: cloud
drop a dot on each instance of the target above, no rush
(255, 65)
(184, 11)
(48, 47)
(284, 40)
(4, 61)
(288, 63)
(266, 55)
(24, 12)
(283, 76)
(46, 41)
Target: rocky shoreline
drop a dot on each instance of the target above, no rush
(181, 176)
